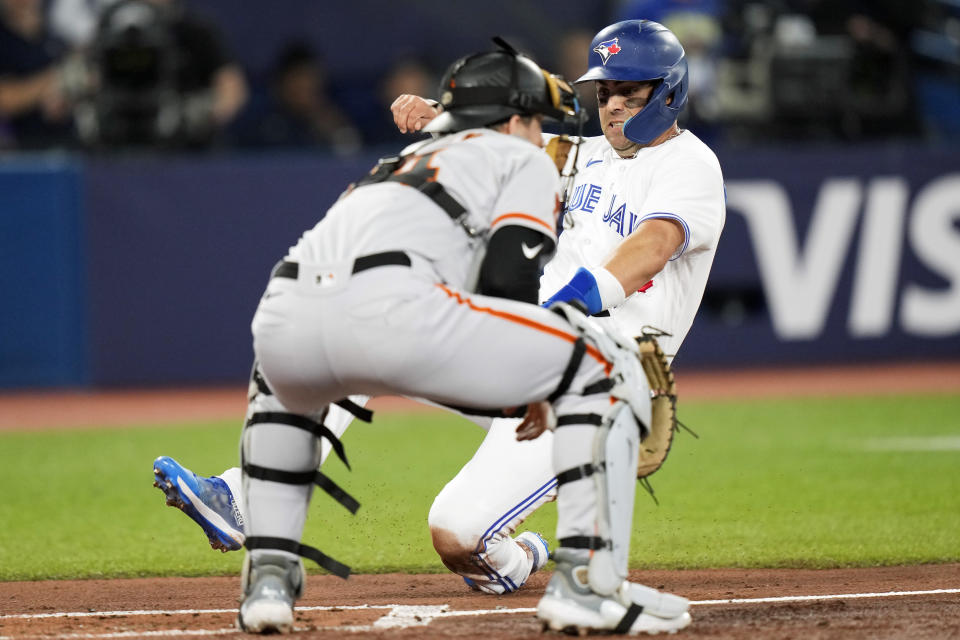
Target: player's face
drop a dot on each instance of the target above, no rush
(617, 102)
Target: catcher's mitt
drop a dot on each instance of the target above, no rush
(663, 423)
(558, 148)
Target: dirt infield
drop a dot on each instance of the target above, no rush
(63, 409)
(915, 603)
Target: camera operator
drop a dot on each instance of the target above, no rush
(159, 77)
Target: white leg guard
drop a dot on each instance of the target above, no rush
(281, 452)
(281, 507)
(337, 420)
(596, 513)
(615, 455)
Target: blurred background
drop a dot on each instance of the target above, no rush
(157, 157)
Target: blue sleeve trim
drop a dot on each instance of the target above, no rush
(683, 223)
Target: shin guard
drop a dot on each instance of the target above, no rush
(615, 454)
(280, 454)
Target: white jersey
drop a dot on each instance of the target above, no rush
(677, 180)
(499, 179)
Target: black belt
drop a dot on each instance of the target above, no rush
(291, 269)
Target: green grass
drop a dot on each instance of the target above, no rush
(792, 483)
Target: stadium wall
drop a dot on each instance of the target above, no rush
(146, 271)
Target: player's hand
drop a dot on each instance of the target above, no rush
(539, 418)
(412, 113)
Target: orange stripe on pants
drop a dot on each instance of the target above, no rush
(569, 337)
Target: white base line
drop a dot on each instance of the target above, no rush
(883, 594)
(174, 612)
(129, 634)
(399, 615)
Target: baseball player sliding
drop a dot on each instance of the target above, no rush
(644, 214)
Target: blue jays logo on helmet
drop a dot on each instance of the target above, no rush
(607, 49)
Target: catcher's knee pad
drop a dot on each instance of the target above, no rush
(270, 440)
(628, 382)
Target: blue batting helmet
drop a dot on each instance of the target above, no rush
(640, 50)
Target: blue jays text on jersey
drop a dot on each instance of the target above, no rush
(587, 195)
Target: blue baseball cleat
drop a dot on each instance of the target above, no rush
(208, 501)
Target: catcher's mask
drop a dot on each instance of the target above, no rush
(486, 88)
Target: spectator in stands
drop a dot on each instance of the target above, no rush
(161, 76)
(205, 66)
(298, 112)
(830, 68)
(936, 45)
(880, 69)
(33, 107)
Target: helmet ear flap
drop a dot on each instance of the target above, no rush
(680, 91)
(655, 118)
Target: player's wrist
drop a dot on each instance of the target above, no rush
(596, 289)
(609, 287)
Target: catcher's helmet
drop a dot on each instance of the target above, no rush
(486, 88)
(640, 50)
